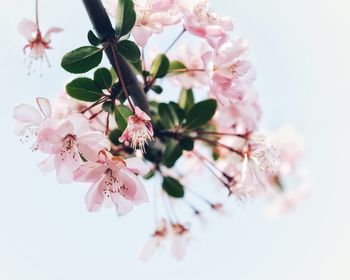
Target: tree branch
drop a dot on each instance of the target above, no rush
(105, 31)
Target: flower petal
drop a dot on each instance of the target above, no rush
(137, 165)
(47, 36)
(48, 164)
(26, 28)
(135, 190)
(66, 163)
(27, 114)
(44, 106)
(94, 198)
(89, 172)
(90, 144)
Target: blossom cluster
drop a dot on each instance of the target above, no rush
(104, 132)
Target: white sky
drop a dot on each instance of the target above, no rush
(301, 52)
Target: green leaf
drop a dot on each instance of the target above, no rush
(168, 116)
(215, 155)
(82, 59)
(172, 153)
(179, 111)
(103, 78)
(149, 175)
(160, 66)
(186, 99)
(129, 50)
(157, 89)
(114, 136)
(173, 187)
(137, 65)
(121, 114)
(84, 89)
(93, 39)
(108, 107)
(177, 67)
(201, 113)
(125, 17)
(186, 143)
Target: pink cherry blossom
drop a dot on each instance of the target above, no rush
(288, 200)
(290, 146)
(241, 115)
(139, 130)
(259, 163)
(202, 22)
(156, 241)
(230, 68)
(177, 234)
(65, 105)
(37, 43)
(180, 239)
(151, 17)
(196, 75)
(66, 140)
(114, 182)
(28, 119)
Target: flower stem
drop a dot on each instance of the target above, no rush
(37, 13)
(176, 39)
(122, 82)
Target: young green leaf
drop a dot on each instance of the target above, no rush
(168, 116)
(129, 50)
(173, 187)
(84, 89)
(186, 143)
(157, 89)
(172, 153)
(177, 67)
(121, 114)
(200, 113)
(103, 78)
(186, 99)
(93, 39)
(125, 17)
(114, 136)
(160, 66)
(82, 59)
(108, 107)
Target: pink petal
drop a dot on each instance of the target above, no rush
(48, 164)
(123, 206)
(27, 114)
(149, 249)
(141, 35)
(90, 144)
(80, 123)
(178, 246)
(94, 198)
(50, 134)
(137, 165)
(44, 107)
(141, 114)
(26, 28)
(135, 190)
(66, 163)
(89, 172)
(47, 36)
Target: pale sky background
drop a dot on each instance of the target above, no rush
(301, 51)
